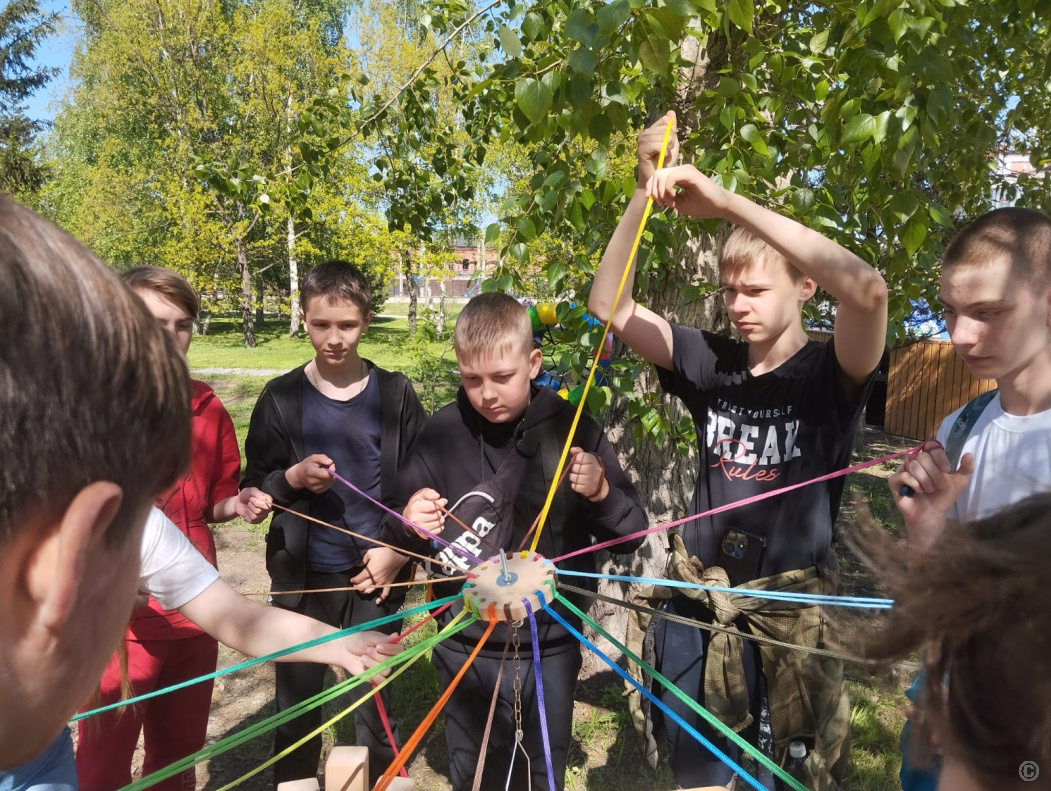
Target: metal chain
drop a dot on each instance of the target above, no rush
(519, 733)
(517, 661)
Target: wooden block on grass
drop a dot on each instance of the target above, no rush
(306, 784)
(402, 784)
(347, 769)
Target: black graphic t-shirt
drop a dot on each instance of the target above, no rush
(760, 433)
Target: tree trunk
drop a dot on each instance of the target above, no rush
(664, 478)
(413, 288)
(260, 301)
(247, 324)
(439, 322)
(293, 279)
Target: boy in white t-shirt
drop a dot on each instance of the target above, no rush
(996, 292)
(94, 423)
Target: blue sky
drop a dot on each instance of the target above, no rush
(55, 51)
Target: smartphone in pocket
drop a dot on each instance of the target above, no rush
(741, 554)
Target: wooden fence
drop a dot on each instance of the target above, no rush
(925, 382)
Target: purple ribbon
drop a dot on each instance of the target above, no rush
(425, 531)
(538, 677)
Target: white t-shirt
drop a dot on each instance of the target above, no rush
(172, 571)
(1012, 457)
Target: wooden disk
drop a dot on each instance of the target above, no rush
(529, 576)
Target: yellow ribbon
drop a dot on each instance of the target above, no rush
(598, 353)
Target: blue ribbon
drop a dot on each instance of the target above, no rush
(795, 598)
(653, 699)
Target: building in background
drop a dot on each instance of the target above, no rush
(1011, 166)
(460, 276)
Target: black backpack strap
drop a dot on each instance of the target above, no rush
(959, 431)
(963, 425)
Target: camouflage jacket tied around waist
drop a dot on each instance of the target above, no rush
(805, 690)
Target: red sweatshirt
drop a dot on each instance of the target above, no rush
(215, 464)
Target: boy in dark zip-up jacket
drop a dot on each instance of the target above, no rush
(503, 437)
(336, 413)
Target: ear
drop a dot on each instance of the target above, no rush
(536, 359)
(807, 288)
(56, 570)
(367, 322)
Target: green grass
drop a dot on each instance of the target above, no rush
(386, 343)
(876, 719)
(452, 309)
(223, 346)
(430, 363)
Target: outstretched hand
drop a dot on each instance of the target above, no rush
(365, 649)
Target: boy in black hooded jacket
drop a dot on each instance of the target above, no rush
(492, 455)
(338, 413)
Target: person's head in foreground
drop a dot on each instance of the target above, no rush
(493, 340)
(975, 606)
(94, 422)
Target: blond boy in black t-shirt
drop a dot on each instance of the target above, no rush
(771, 409)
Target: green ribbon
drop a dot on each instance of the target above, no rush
(275, 720)
(268, 658)
(693, 705)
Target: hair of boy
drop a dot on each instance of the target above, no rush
(91, 386)
(337, 281)
(744, 249)
(1022, 234)
(975, 603)
(492, 323)
(166, 283)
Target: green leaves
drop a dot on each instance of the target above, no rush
(858, 129)
(655, 54)
(612, 16)
(865, 118)
(741, 13)
(818, 42)
(526, 229)
(533, 26)
(533, 98)
(750, 133)
(510, 42)
(914, 235)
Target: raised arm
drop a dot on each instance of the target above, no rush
(861, 317)
(640, 328)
